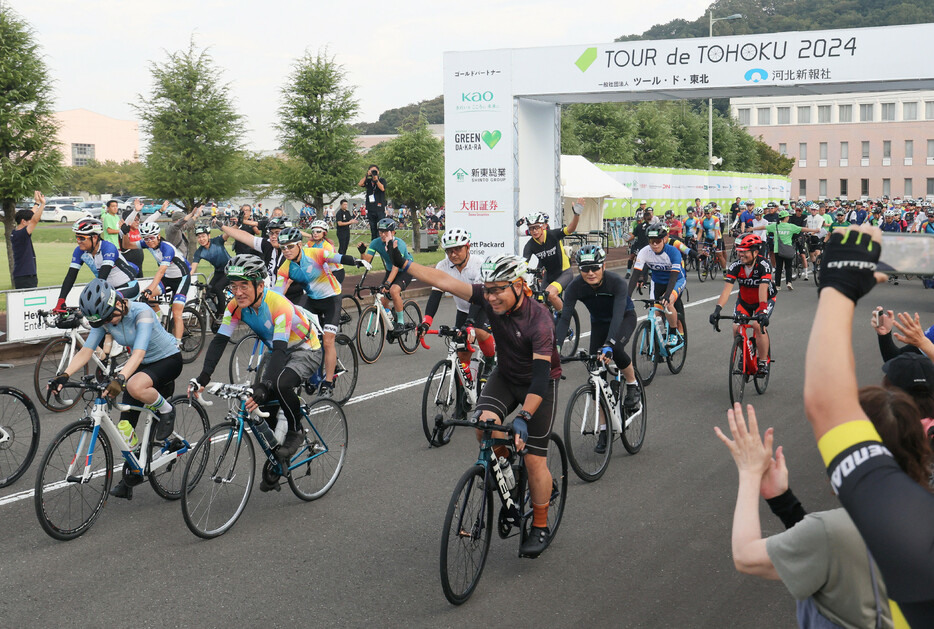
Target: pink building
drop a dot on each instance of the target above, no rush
(849, 145)
(87, 136)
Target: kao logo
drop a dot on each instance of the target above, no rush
(477, 97)
(755, 75)
(586, 60)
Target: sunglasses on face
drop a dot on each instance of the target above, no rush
(82, 238)
(148, 238)
(291, 246)
(495, 290)
(317, 232)
(591, 268)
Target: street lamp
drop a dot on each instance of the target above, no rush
(735, 16)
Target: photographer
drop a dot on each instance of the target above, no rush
(375, 198)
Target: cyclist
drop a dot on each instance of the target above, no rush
(172, 276)
(213, 251)
(463, 266)
(927, 224)
(395, 281)
(639, 240)
(102, 258)
(690, 228)
(815, 240)
(527, 371)
(673, 224)
(296, 350)
(757, 293)
(148, 376)
(612, 320)
(311, 268)
(667, 278)
(319, 240)
(546, 245)
(747, 216)
(710, 229)
(272, 255)
(889, 224)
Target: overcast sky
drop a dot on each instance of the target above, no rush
(99, 51)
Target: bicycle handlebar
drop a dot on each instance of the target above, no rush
(457, 336)
(231, 391)
(741, 319)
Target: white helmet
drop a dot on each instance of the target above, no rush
(150, 228)
(503, 268)
(536, 218)
(455, 238)
(890, 214)
(319, 224)
(759, 211)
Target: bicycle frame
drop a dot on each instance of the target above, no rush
(750, 366)
(657, 344)
(454, 365)
(602, 388)
(515, 513)
(77, 342)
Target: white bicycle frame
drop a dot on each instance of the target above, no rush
(591, 416)
(77, 342)
(470, 387)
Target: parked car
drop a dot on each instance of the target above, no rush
(127, 203)
(151, 207)
(95, 208)
(63, 214)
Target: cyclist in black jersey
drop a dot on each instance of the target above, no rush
(892, 512)
(546, 245)
(272, 255)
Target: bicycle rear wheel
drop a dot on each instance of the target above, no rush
(677, 355)
(68, 495)
(52, 361)
(191, 425)
(193, 333)
(350, 315)
(644, 352)
(572, 340)
(584, 419)
(411, 317)
(217, 481)
(702, 269)
(465, 540)
(762, 382)
(634, 425)
(439, 403)
(737, 371)
(346, 370)
(318, 463)
(370, 334)
(19, 434)
(558, 467)
(714, 268)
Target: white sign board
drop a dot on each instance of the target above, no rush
(22, 312)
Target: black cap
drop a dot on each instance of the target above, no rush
(911, 371)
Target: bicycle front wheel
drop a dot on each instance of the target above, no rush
(644, 352)
(318, 463)
(370, 334)
(439, 403)
(346, 370)
(737, 372)
(702, 269)
(585, 420)
(19, 434)
(217, 481)
(71, 487)
(569, 344)
(193, 333)
(191, 425)
(245, 359)
(411, 317)
(678, 353)
(350, 315)
(465, 540)
(52, 361)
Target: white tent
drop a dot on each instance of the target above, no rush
(581, 179)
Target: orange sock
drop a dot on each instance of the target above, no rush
(501, 451)
(540, 515)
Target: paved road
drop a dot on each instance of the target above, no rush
(647, 545)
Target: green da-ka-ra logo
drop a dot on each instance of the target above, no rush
(586, 60)
(490, 138)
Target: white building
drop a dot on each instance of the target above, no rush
(86, 135)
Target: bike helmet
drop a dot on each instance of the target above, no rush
(713, 205)
(536, 218)
(88, 226)
(591, 254)
(280, 222)
(749, 241)
(455, 238)
(97, 302)
(669, 214)
(202, 229)
(386, 224)
(771, 204)
(319, 224)
(656, 231)
(750, 202)
(503, 268)
(890, 214)
(290, 235)
(148, 229)
(245, 266)
(929, 211)
(759, 211)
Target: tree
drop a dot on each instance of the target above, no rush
(29, 152)
(655, 143)
(316, 134)
(771, 161)
(96, 178)
(391, 119)
(601, 132)
(195, 147)
(413, 166)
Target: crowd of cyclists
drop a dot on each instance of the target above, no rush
(284, 284)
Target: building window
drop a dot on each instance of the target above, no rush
(822, 188)
(804, 115)
(930, 186)
(929, 110)
(823, 151)
(802, 188)
(930, 152)
(909, 111)
(844, 150)
(764, 116)
(908, 187)
(844, 187)
(865, 149)
(909, 148)
(81, 154)
(864, 187)
(886, 187)
(783, 115)
(823, 114)
(865, 113)
(783, 149)
(888, 112)
(803, 151)
(743, 116)
(845, 113)
(886, 149)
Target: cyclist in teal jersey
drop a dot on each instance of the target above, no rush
(395, 281)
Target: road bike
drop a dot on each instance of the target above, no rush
(77, 469)
(19, 434)
(650, 343)
(377, 324)
(205, 302)
(193, 330)
(220, 471)
(59, 352)
(590, 407)
(708, 262)
(451, 391)
(569, 343)
(744, 365)
(468, 522)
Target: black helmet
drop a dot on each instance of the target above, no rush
(290, 235)
(97, 302)
(386, 224)
(245, 266)
(656, 232)
(202, 229)
(280, 222)
(669, 214)
(591, 254)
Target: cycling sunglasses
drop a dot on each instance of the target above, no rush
(590, 268)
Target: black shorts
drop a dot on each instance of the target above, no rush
(600, 330)
(327, 309)
(163, 374)
(402, 280)
(748, 309)
(479, 321)
(178, 286)
(502, 397)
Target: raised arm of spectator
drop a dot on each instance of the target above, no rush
(36, 212)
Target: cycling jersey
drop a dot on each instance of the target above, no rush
(274, 259)
(711, 228)
(891, 226)
(660, 264)
(275, 318)
(108, 263)
(470, 274)
(746, 218)
(551, 255)
(168, 256)
(749, 278)
(691, 225)
(838, 225)
(674, 227)
(377, 246)
(927, 227)
(313, 272)
(327, 245)
(214, 254)
(138, 329)
(606, 303)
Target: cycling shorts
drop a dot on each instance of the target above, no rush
(560, 281)
(178, 286)
(163, 374)
(815, 242)
(658, 290)
(129, 291)
(479, 321)
(502, 397)
(749, 310)
(402, 279)
(327, 309)
(600, 330)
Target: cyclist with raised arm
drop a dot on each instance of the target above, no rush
(757, 293)
(666, 275)
(612, 320)
(213, 251)
(286, 328)
(319, 240)
(527, 372)
(546, 245)
(103, 259)
(461, 265)
(311, 269)
(395, 281)
(268, 248)
(148, 376)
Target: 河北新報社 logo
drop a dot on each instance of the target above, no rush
(756, 75)
(586, 59)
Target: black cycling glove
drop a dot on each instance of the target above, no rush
(715, 317)
(398, 260)
(849, 263)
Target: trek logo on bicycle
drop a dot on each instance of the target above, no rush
(501, 481)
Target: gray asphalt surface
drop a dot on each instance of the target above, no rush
(648, 545)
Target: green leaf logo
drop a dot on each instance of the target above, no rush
(586, 60)
(490, 138)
